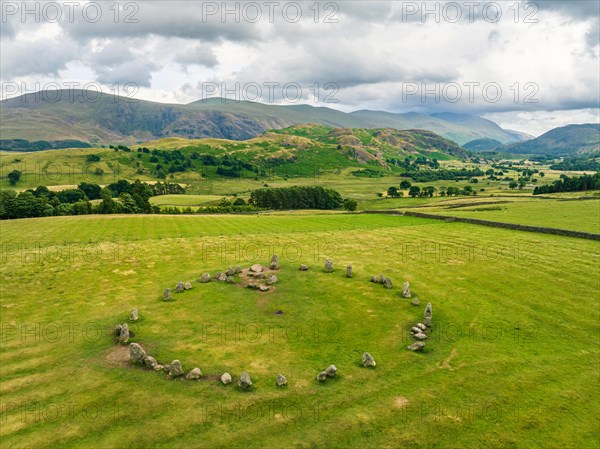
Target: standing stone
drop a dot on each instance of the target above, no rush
(256, 268)
(238, 269)
(427, 321)
(205, 278)
(387, 283)
(417, 346)
(124, 334)
(133, 316)
(421, 326)
(415, 330)
(245, 383)
(230, 271)
(222, 277)
(331, 371)
(194, 374)
(226, 378)
(374, 279)
(175, 369)
(150, 362)
(230, 280)
(415, 302)
(348, 271)
(322, 376)
(406, 290)
(428, 310)
(136, 353)
(420, 336)
(381, 279)
(328, 266)
(303, 267)
(187, 286)
(271, 279)
(167, 294)
(274, 262)
(368, 360)
(179, 287)
(281, 380)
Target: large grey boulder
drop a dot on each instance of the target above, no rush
(179, 287)
(230, 280)
(348, 271)
(416, 302)
(420, 336)
(281, 380)
(271, 279)
(387, 283)
(150, 362)
(124, 333)
(226, 378)
(331, 371)
(245, 383)
(427, 321)
(322, 376)
(133, 316)
(167, 294)
(194, 374)
(328, 266)
(205, 278)
(368, 360)
(136, 353)
(175, 369)
(417, 346)
(406, 290)
(187, 286)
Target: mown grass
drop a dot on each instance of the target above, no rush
(512, 362)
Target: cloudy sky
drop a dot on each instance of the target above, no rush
(529, 66)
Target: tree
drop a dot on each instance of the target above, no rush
(350, 204)
(414, 191)
(14, 177)
(512, 185)
(92, 191)
(405, 185)
(392, 192)
(239, 202)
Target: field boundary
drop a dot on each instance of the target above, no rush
(494, 224)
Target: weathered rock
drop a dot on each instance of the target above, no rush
(348, 271)
(271, 279)
(328, 266)
(374, 279)
(421, 326)
(387, 283)
(256, 268)
(420, 336)
(222, 277)
(194, 374)
(175, 369)
(274, 262)
(167, 368)
(230, 271)
(187, 286)
(331, 371)
(281, 380)
(133, 316)
(158, 368)
(238, 269)
(124, 333)
(322, 376)
(136, 353)
(417, 346)
(230, 280)
(303, 267)
(416, 302)
(205, 278)
(150, 361)
(368, 360)
(167, 294)
(252, 286)
(179, 287)
(428, 310)
(381, 279)
(245, 383)
(406, 290)
(427, 321)
(263, 288)
(118, 329)
(226, 378)
(415, 330)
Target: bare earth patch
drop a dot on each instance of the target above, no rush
(446, 363)
(246, 278)
(118, 355)
(400, 402)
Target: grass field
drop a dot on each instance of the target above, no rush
(511, 362)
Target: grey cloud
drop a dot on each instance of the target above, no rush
(134, 71)
(200, 54)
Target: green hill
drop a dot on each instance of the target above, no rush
(483, 145)
(563, 141)
(104, 118)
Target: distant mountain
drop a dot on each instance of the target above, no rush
(104, 118)
(483, 145)
(563, 141)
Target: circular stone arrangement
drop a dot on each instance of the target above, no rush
(263, 278)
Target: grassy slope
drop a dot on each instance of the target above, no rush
(527, 387)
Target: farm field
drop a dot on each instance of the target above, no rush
(510, 323)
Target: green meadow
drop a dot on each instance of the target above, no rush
(511, 360)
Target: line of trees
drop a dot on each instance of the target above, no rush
(442, 175)
(296, 197)
(574, 184)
